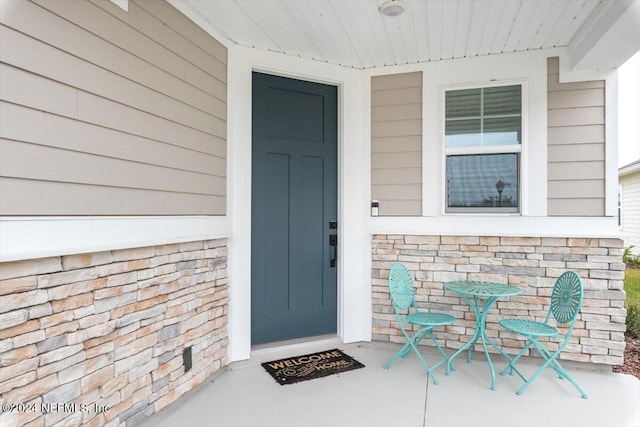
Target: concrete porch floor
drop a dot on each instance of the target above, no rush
(243, 394)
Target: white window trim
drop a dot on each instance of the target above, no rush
(522, 148)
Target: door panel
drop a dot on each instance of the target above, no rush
(294, 186)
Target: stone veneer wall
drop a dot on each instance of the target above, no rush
(109, 329)
(532, 263)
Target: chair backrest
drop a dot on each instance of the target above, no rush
(566, 298)
(401, 287)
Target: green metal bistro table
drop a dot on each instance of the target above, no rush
(472, 291)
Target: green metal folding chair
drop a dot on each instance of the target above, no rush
(566, 300)
(402, 297)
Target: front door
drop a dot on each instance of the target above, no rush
(293, 209)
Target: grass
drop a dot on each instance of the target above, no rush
(632, 286)
(632, 289)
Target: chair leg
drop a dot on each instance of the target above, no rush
(512, 361)
(411, 343)
(445, 358)
(551, 360)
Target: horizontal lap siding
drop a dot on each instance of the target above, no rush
(106, 112)
(630, 210)
(396, 143)
(576, 146)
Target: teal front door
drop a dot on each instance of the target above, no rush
(293, 209)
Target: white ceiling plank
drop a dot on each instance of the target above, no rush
(449, 18)
(572, 27)
(478, 27)
(435, 17)
(554, 14)
(490, 31)
(466, 10)
(300, 34)
(256, 12)
(536, 22)
(380, 35)
(555, 37)
(300, 13)
(421, 29)
(409, 36)
(507, 22)
(344, 54)
(520, 25)
(236, 25)
(399, 38)
(358, 31)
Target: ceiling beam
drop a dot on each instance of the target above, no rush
(608, 39)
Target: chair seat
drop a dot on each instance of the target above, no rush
(529, 327)
(428, 319)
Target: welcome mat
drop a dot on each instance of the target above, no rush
(310, 366)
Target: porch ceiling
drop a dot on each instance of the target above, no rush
(352, 33)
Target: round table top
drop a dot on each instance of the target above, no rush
(487, 289)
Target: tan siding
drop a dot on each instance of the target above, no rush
(576, 207)
(396, 143)
(130, 105)
(398, 176)
(57, 198)
(576, 152)
(17, 161)
(64, 132)
(576, 135)
(576, 146)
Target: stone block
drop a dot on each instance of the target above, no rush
(18, 381)
(135, 347)
(18, 367)
(19, 329)
(99, 330)
(13, 318)
(52, 343)
(16, 301)
(132, 254)
(32, 390)
(60, 353)
(130, 362)
(93, 320)
(40, 310)
(61, 364)
(11, 270)
(97, 378)
(82, 369)
(111, 303)
(74, 262)
(66, 277)
(73, 302)
(17, 285)
(64, 393)
(28, 338)
(422, 240)
(65, 291)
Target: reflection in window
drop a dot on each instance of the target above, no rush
(482, 181)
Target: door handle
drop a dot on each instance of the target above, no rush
(333, 242)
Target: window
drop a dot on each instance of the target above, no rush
(483, 140)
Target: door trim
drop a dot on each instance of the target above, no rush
(354, 289)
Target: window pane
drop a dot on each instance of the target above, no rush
(502, 131)
(462, 133)
(462, 103)
(482, 181)
(502, 100)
